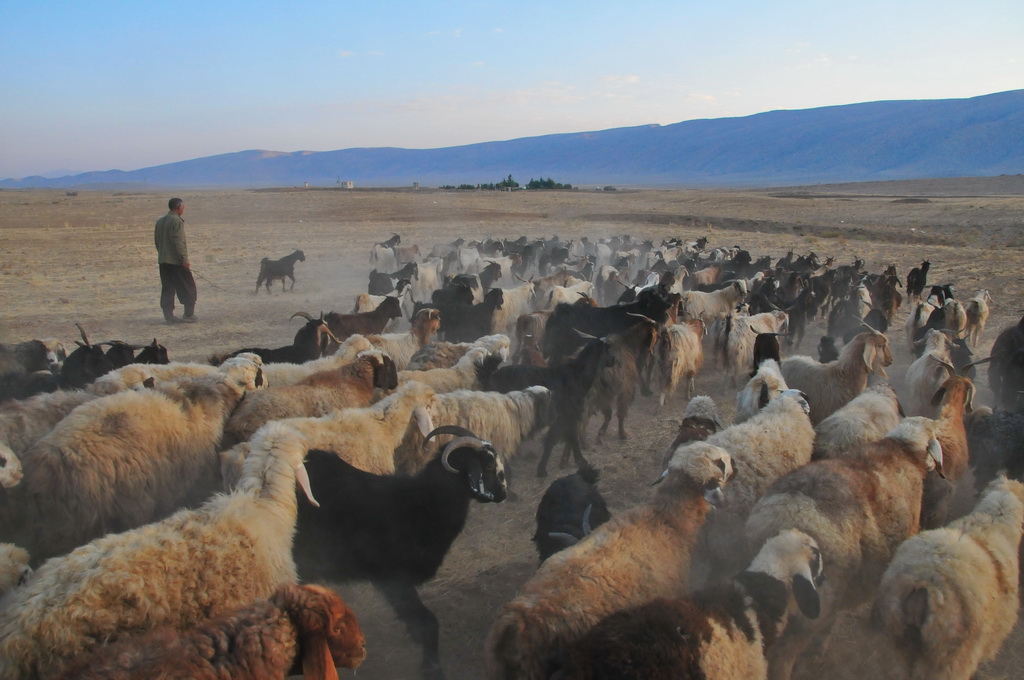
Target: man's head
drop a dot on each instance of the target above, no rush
(176, 205)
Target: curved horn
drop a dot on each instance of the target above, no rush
(519, 277)
(456, 430)
(975, 363)
(81, 330)
(305, 315)
(454, 444)
(585, 335)
(331, 335)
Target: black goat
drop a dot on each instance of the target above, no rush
(81, 367)
(272, 270)
(466, 323)
(309, 343)
(569, 510)
(489, 274)
(874, 318)
(827, 350)
(560, 334)
(569, 383)
(996, 443)
(917, 279)
(382, 283)
(393, 530)
(1006, 374)
(766, 346)
(121, 354)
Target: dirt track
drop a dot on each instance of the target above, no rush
(90, 259)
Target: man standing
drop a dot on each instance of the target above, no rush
(172, 256)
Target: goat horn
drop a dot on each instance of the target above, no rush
(454, 444)
(585, 335)
(305, 315)
(84, 336)
(980, 361)
(456, 430)
(330, 334)
(519, 277)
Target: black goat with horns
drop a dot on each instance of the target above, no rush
(395, 531)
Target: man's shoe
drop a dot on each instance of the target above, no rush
(171, 320)
(190, 319)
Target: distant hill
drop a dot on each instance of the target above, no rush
(876, 141)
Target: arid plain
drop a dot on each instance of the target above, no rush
(90, 259)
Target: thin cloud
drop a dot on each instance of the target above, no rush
(344, 54)
(620, 81)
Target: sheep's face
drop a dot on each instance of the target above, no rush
(794, 557)
(709, 467)
(919, 435)
(10, 468)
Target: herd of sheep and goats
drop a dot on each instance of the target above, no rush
(173, 520)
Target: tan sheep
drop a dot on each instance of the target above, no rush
(858, 509)
(638, 555)
(14, 569)
(869, 417)
(766, 384)
(124, 460)
(238, 549)
(950, 596)
(462, 376)
(447, 354)
(402, 346)
(831, 386)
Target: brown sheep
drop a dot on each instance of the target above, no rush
(261, 641)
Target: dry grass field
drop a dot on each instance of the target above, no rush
(90, 259)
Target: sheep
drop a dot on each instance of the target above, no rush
(715, 634)
(447, 354)
(926, 374)
(238, 547)
(858, 510)
(260, 641)
(470, 371)
(124, 460)
(709, 307)
(867, 418)
(32, 355)
(134, 376)
(11, 472)
(365, 437)
(81, 367)
(831, 386)
(944, 495)
(635, 557)
(700, 421)
(350, 386)
(395, 531)
(949, 598)
(773, 443)
(402, 346)
(279, 375)
(764, 386)
(570, 509)
(680, 357)
(14, 569)
(738, 348)
(977, 310)
(22, 423)
(506, 420)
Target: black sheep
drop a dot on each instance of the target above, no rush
(569, 510)
(393, 530)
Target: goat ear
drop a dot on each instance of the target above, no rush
(806, 596)
(869, 356)
(937, 397)
(763, 397)
(308, 609)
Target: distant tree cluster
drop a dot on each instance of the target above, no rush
(507, 184)
(548, 184)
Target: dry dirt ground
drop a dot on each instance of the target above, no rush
(90, 259)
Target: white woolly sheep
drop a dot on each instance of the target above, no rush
(977, 311)
(505, 420)
(927, 373)
(773, 443)
(134, 376)
(238, 547)
(680, 357)
(365, 438)
(831, 386)
(14, 569)
(638, 555)
(464, 375)
(709, 307)
(121, 461)
(700, 421)
(350, 386)
(24, 422)
(858, 510)
(766, 384)
(447, 354)
(717, 634)
(949, 598)
(870, 416)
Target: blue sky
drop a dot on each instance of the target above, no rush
(104, 85)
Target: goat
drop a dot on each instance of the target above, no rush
(272, 270)
(343, 326)
(917, 279)
(381, 528)
(308, 344)
(383, 283)
(570, 509)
